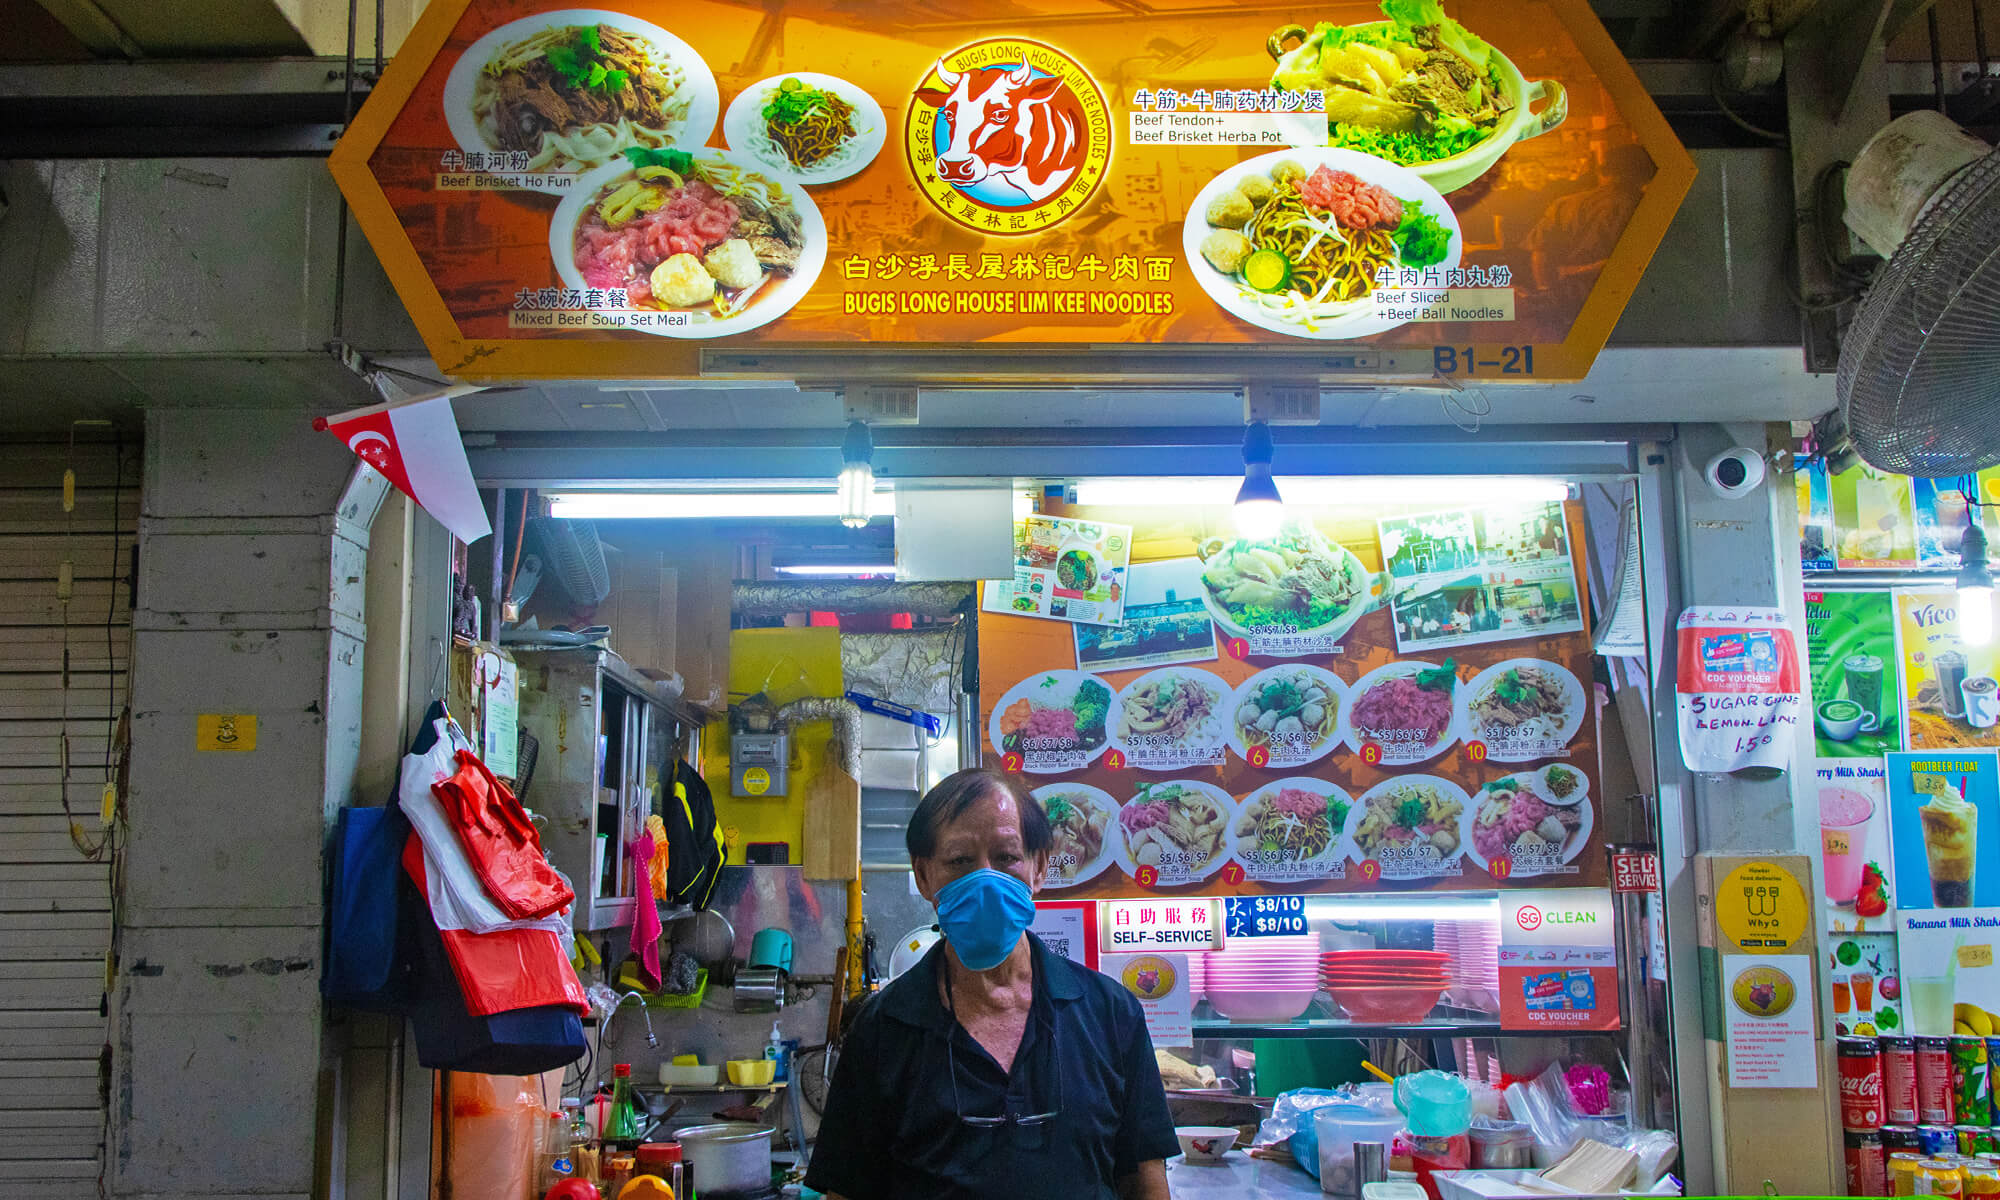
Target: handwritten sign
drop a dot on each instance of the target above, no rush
(1739, 686)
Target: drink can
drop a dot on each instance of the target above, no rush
(1937, 1139)
(1899, 1080)
(1974, 1140)
(1860, 1084)
(1934, 1091)
(1867, 1163)
(1971, 1082)
(1981, 1178)
(1936, 1177)
(1901, 1137)
(1903, 1172)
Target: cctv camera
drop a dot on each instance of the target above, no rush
(1734, 473)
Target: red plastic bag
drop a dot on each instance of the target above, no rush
(501, 843)
(506, 969)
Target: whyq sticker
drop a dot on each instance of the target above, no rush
(1738, 681)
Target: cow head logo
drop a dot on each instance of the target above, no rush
(1008, 136)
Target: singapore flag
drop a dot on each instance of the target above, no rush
(415, 443)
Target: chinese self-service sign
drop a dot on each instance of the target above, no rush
(1467, 190)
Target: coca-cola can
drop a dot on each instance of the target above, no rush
(1899, 1080)
(1860, 1086)
(1934, 1106)
(1867, 1164)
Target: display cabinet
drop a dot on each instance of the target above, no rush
(607, 739)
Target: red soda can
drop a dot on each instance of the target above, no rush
(1899, 1080)
(1867, 1164)
(1860, 1085)
(1934, 1106)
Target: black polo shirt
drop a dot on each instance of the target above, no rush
(892, 1130)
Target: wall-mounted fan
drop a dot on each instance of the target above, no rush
(1919, 379)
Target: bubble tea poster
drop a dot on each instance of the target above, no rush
(1944, 811)
(1851, 652)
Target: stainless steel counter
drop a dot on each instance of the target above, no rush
(1240, 1177)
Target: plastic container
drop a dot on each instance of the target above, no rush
(1503, 1144)
(1437, 1104)
(1338, 1127)
(681, 1075)
(752, 1072)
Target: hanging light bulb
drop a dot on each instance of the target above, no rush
(857, 474)
(1975, 584)
(1260, 511)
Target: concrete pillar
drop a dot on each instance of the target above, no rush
(252, 565)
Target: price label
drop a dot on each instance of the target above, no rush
(1237, 648)
(1114, 760)
(1371, 753)
(1975, 956)
(1266, 916)
(1010, 762)
(1259, 757)
(1475, 752)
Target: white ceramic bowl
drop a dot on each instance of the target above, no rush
(1204, 1145)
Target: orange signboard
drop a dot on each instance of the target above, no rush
(1376, 699)
(603, 192)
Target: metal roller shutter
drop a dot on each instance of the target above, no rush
(55, 903)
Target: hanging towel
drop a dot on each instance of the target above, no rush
(646, 914)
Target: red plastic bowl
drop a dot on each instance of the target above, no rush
(1387, 1005)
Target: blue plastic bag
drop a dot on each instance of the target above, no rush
(362, 964)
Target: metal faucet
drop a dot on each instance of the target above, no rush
(604, 1031)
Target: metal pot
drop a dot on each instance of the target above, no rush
(733, 1156)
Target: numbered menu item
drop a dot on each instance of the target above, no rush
(1173, 718)
(1529, 823)
(1175, 833)
(1292, 830)
(1053, 722)
(1081, 818)
(1524, 709)
(1405, 710)
(1410, 827)
(565, 92)
(1291, 595)
(1287, 716)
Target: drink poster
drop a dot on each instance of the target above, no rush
(1941, 506)
(595, 193)
(1815, 501)
(1874, 519)
(1851, 656)
(1468, 576)
(1950, 696)
(1945, 825)
(1855, 866)
(1334, 763)
(1867, 985)
(1067, 571)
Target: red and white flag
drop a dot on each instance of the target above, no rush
(415, 443)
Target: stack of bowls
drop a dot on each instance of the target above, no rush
(1264, 978)
(1474, 947)
(1385, 987)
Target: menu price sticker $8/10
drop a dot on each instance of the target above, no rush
(1265, 916)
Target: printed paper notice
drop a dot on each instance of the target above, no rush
(1066, 570)
(1160, 981)
(1768, 1013)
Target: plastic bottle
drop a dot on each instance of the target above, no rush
(553, 1162)
(775, 1051)
(621, 1124)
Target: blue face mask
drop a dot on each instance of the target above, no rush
(983, 915)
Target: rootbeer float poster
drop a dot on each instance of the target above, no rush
(1944, 811)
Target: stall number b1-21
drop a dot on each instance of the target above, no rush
(1500, 360)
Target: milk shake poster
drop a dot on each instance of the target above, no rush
(1944, 814)
(1855, 866)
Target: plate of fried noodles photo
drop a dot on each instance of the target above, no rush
(572, 89)
(812, 129)
(1294, 241)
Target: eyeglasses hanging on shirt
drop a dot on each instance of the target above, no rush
(1025, 1120)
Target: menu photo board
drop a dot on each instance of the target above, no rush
(1467, 189)
(1324, 759)
(1950, 689)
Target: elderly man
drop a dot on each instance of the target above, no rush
(993, 1068)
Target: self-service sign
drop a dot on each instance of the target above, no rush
(1635, 871)
(1558, 960)
(1177, 926)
